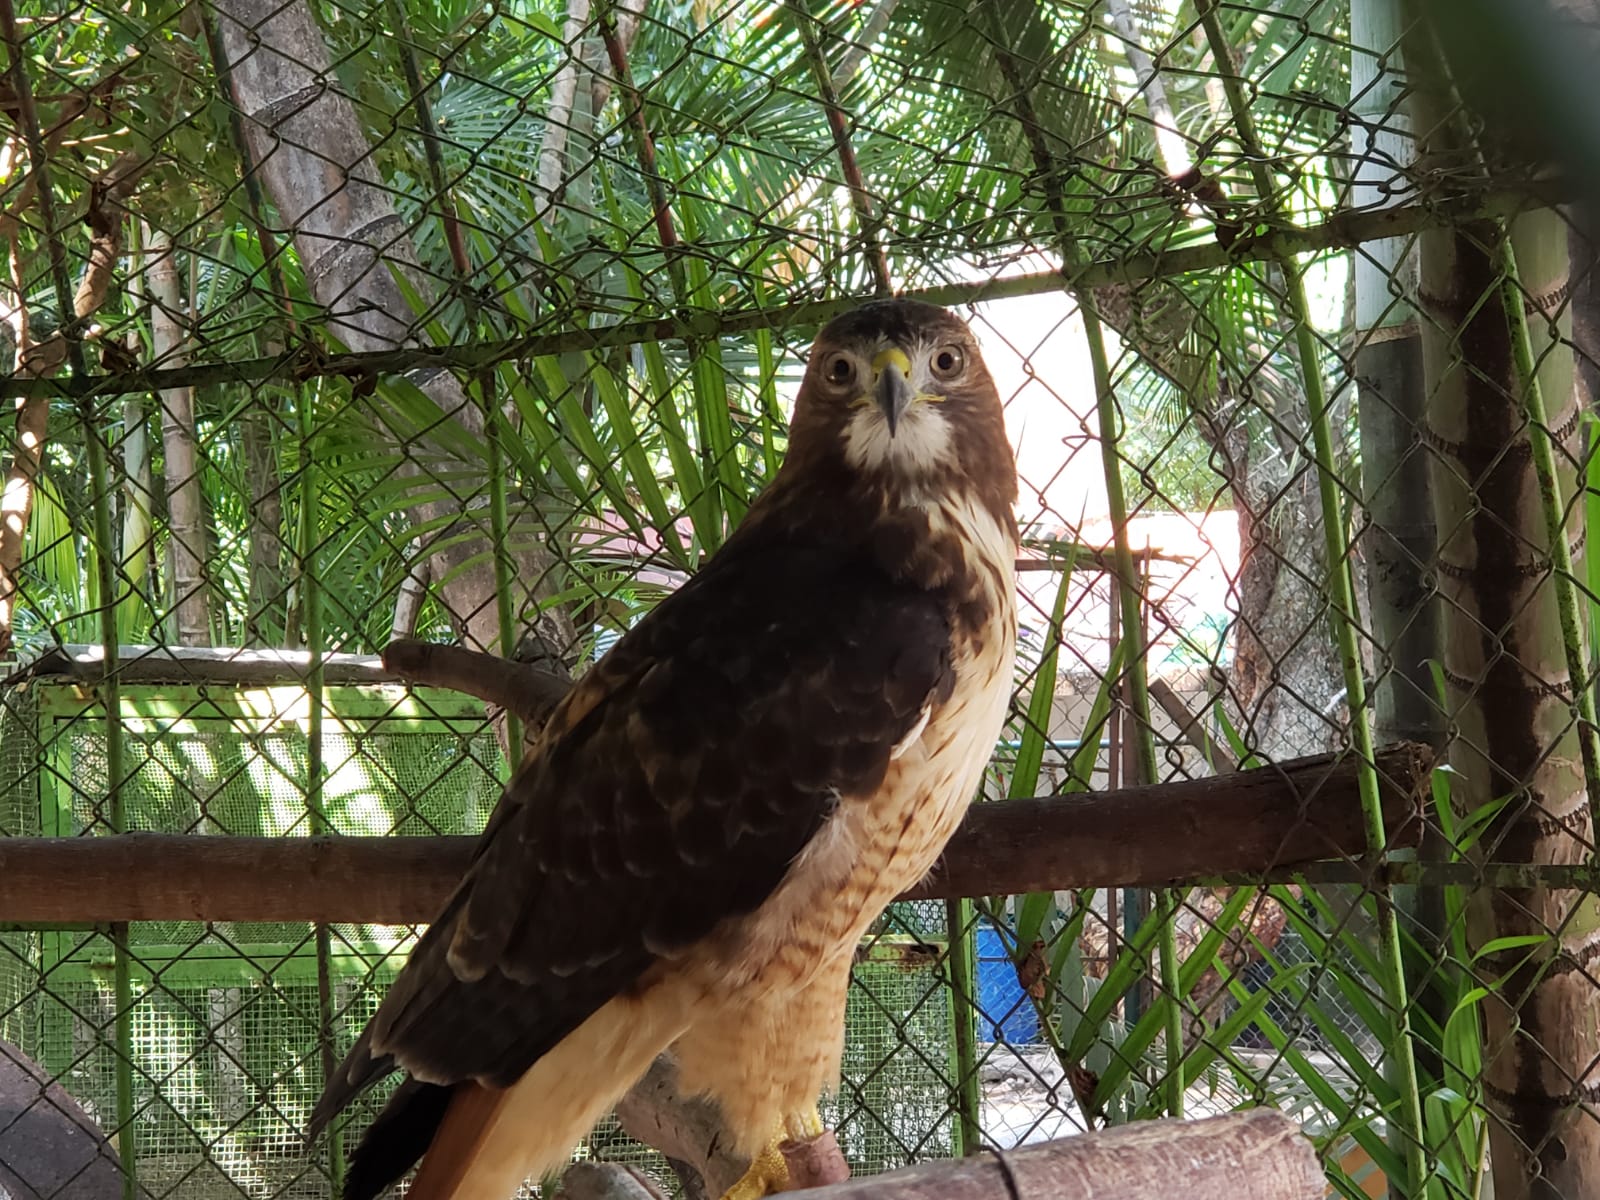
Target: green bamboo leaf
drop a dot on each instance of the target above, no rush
(1511, 942)
(1349, 1116)
(534, 409)
(1152, 1022)
(1128, 968)
(1035, 739)
(1035, 909)
(709, 380)
(1209, 1050)
(767, 400)
(640, 471)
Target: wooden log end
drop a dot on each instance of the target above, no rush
(814, 1162)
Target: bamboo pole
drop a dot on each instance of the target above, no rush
(1126, 577)
(1407, 1117)
(959, 920)
(311, 611)
(868, 223)
(1569, 598)
(104, 573)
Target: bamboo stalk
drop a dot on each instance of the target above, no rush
(111, 699)
(430, 145)
(311, 614)
(959, 919)
(504, 567)
(1569, 602)
(1126, 577)
(1342, 589)
(255, 202)
(1337, 233)
(643, 144)
(484, 378)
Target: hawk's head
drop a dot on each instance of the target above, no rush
(896, 397)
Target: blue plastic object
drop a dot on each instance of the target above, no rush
(1005, 1014)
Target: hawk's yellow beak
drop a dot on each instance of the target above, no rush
(891, 384)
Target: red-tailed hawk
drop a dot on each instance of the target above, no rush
(715, 814)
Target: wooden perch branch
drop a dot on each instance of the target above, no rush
(527, 692)
(1256, 1155)
(605, 1181)
(1248, 823)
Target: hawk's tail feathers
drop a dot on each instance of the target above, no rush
(393, 1143)
(359, 1071)
(490, 1140)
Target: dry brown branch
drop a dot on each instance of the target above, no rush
(1191, 727)
(527, 691)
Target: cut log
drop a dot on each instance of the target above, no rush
(1274, 817)
(1256, 1155)
(814, 1162)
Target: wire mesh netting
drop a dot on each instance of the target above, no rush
(332, 323)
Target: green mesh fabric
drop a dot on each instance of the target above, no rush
(224, 1029)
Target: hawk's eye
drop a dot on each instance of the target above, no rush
(948, 362)
(839, 370)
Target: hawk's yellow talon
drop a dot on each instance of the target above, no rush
(769, 1171)
(768, 1175)
(802, 1127)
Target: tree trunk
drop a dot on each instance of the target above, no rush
(310, 153)
(1511, 695)
(1285, 680)
(186, 517)
(138, 495)
(1509, 689)
(267, 618)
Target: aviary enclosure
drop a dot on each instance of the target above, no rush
(331, 324)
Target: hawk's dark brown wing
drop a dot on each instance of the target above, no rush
(672, 790)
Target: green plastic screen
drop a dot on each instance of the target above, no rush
(224, 1039)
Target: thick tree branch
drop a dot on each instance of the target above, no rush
(1255, 1155)
(1244, 824)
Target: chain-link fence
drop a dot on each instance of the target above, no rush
(334, 322)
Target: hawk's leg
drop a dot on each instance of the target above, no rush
(769, 1172)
